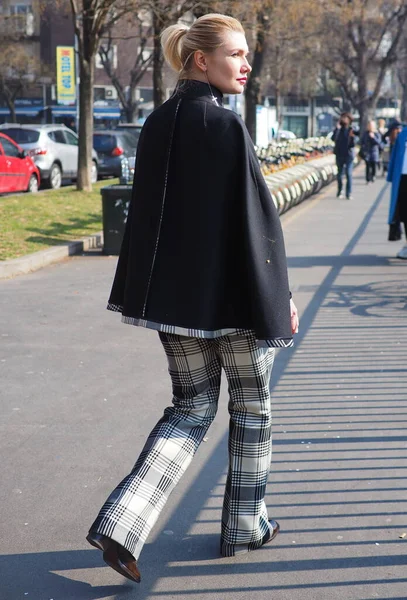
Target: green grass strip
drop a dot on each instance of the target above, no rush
(32, 222)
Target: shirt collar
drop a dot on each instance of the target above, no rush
(193, 88)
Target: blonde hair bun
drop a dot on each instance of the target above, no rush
(180, 42)
(171, 43)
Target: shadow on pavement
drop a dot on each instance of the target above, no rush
(357, 260)
(32, 576)
(169, 557)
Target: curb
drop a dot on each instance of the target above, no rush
(37, 260)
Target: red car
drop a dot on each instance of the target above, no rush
(18, 172)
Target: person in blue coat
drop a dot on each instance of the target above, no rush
(371, 145)
(397, 175)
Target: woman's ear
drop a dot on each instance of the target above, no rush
(200, 61)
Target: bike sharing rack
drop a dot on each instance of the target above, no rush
(291, 186)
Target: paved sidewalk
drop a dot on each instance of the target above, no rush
(80, 390)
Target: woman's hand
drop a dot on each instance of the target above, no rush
(294, 317)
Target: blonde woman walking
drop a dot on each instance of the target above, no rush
(202, 263)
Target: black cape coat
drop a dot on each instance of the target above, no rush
(203, 247)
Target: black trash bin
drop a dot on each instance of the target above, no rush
(115, 207)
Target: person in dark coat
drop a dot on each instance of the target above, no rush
(344, 138)
(203, 263)
(371, 144)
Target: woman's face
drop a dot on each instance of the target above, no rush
(227, 67)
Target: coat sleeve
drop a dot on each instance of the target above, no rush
(393, 159)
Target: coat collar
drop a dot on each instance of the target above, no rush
(191, 88)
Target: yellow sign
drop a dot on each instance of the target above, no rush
(66, 84)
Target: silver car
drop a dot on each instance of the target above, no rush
(53, 148)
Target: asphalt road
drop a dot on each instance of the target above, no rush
(80, 391)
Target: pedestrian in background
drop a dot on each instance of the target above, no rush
(381, 128)
(392, 133)
(397, 174)
(370, 144)
(344, 138)
(203, 263)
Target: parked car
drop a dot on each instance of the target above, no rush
(113, 146)
(131, 128)
(18, 172)
(54, 149)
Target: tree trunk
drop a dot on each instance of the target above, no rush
(402, 76)
(130, 111)
(12, 108)
(10, 98)
(158, 63)
(279, 112)
(251, 95)
(403, 108)
(366, 112)
(87, 75)
(253, 86)
(362, 119)
(363, 99)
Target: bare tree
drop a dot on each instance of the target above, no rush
(136, 34)
(254, 83)
(358, 44)
(402, 74)
(277, 32)
(19, 69)
(92, 19)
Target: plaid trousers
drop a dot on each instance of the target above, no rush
(195, 366)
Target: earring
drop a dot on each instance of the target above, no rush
(214, 99)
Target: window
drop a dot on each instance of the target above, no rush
(21, 9)
(299, 125)
(22, 136)
(23, 18)
(9, 148)
(100, 93)
(127, 141)
(57, 136)
(71, 139)
(132, 135)
(146, 94)
(104, 142)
